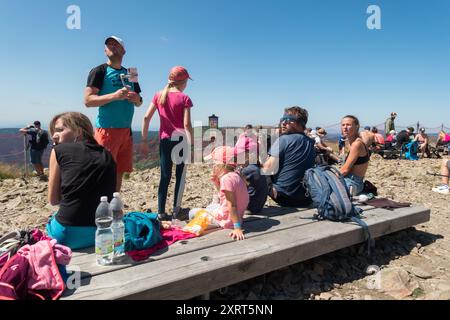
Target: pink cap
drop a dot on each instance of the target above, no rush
(246, 143)
(178, 73)
(224, 155)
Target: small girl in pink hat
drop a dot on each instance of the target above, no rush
(232, 193)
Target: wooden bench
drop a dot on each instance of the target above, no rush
(190, 268)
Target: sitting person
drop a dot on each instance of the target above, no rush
(233, 196)
(403, 137)
(443, 139)
(422, 139)
(411, 133)
(81, 171)
(289, 157)
(322, 148)
(251, 171)
(367, 136)
(357, 161)
(379, 141)
(391, 137)
(445, 172)
(247, 141)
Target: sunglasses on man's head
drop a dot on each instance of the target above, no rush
(288, 118)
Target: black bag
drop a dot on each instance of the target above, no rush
(369, 187)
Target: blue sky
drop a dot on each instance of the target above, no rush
(249, 58)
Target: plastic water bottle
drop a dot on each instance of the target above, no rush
(103, 236)
(118, 228)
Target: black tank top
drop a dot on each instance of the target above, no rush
(88, 172)
(364, 159)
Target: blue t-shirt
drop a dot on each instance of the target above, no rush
(296, 154)
(116, 114)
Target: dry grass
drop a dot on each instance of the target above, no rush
(9, 171)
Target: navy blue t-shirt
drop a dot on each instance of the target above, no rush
(296, 154)
(257, 188)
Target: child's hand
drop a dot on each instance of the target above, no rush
(166, 224)
(237, 234)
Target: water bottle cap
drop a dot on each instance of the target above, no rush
(104, 199)
(116, 194)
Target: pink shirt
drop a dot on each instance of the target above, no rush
(379, 138)
(246, 142)
(171, 114)
(234, 183)
(446, 138)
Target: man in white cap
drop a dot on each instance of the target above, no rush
(389, 124)
(116, 103)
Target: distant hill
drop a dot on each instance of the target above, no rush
(12, 147)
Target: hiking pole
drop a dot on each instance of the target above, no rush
(25, 155)
(437, 175)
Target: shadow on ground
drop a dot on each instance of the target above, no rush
(324, 273)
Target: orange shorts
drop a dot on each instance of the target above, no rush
(119, 142)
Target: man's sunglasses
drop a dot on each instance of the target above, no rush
(288, 118)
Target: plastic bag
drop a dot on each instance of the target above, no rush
(199, 223)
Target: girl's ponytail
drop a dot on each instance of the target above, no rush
(163, 96)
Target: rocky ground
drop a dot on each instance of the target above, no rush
(414, 263)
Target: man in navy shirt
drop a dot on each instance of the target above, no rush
(290, 156)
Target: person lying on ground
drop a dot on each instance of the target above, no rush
(357, 161)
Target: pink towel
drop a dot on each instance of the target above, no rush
(169, 236)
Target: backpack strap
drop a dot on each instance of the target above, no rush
(370, 242)
(341, 179)
(319, 172)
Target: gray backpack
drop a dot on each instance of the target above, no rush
(331, 197)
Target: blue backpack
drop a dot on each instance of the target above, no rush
(142, 230)
(331, 197)
(411, 150)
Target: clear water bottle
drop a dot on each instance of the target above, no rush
(118, 227)
(103, 236)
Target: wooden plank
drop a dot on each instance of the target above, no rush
(189, 275)
(266, 213)
(256, 226)
(271, 211)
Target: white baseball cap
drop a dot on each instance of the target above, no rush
(120, 41)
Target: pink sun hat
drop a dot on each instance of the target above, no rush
(222, 155)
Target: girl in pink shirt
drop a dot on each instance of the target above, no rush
(232, 192)
(174, 108)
